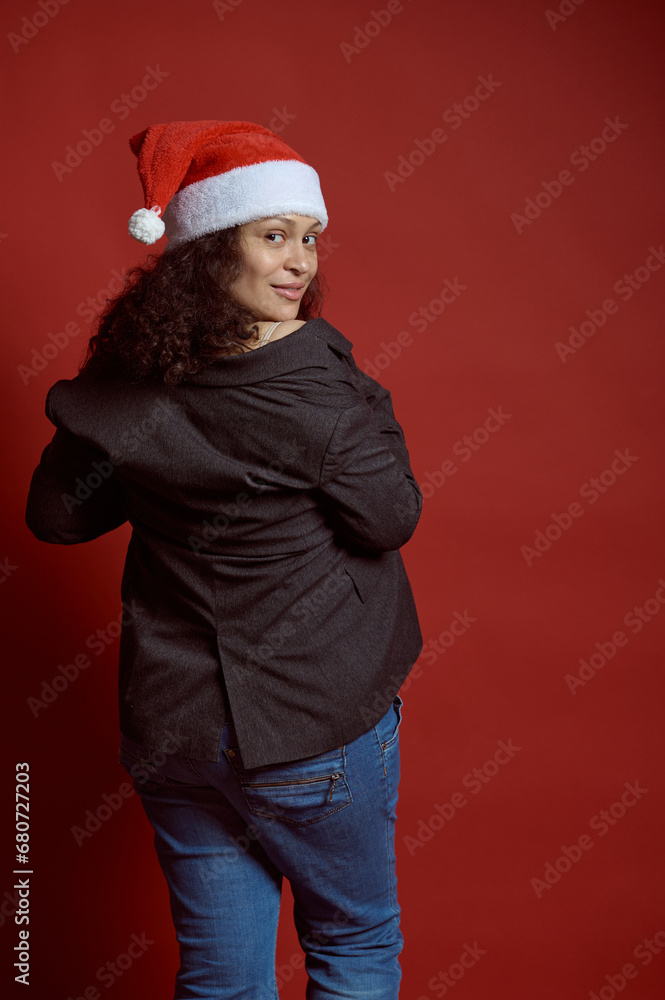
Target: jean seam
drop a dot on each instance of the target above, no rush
(300, 823)
(191, 767)
(389, 848)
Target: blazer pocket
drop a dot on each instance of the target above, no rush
(365, 572)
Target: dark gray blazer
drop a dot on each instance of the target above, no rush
(268, 496)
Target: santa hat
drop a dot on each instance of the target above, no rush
(204, 176)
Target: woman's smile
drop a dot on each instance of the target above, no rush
(294, 292)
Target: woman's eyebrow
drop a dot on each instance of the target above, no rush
(289, 222)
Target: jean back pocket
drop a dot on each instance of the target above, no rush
(298, 792)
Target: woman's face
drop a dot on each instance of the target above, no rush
(278, 251)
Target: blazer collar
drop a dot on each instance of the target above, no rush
(304, 348)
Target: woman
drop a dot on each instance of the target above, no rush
(268, 619)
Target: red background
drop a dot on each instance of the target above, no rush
(386, 254)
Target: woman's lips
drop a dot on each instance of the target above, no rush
(289, 293)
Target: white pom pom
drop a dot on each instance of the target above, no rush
(146, 226)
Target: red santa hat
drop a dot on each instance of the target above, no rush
(207, 175)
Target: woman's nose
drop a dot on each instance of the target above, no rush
(298, 258)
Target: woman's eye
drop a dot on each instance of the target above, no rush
(273, 238)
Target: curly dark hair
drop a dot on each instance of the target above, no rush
(174, 314)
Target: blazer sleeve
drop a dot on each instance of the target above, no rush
(74, 495)
(366, 482)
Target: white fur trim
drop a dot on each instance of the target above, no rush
(243, 195)
(146, 226)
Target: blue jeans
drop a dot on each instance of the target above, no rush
(226, 836)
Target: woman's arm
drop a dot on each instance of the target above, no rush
(366, 485)
(380, 400)
(74, 495)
